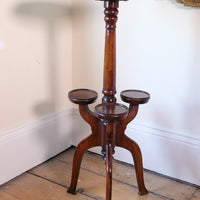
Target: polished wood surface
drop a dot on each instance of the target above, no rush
(135, 96)
(111, 111)
(109, 120)
(109, 76)
(83, 96)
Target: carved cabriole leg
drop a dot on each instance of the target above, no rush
(125, 142)
(91, 141)
(133, 147)
(87, 143)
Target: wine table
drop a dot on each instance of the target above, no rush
(109, 119)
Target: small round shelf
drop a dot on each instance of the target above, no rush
(111, 111)
(135, 96)
(82, 96)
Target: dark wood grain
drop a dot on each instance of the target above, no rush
(111, 111)
(82, 96)
(91, 141)
(135, 96)
(109, 120)
(109, 152)
(109, 76)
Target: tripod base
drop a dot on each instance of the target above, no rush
(108, 124)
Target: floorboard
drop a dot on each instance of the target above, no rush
(50, 180)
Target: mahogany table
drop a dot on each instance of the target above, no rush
(109, 120)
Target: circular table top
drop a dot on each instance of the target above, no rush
(82, 96)
(135, 96)
(111, 111)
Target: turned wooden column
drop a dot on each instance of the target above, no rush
(109, 78)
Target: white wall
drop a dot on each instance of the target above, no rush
(35, 76)
(35, 59)
(44, 53)
(88, 44)
(160, 54)
(158, 51)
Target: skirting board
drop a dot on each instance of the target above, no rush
(26, 146)
(166, 152)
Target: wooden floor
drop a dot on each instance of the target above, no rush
(50, 181)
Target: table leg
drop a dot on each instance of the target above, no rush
(109, 153)
(128, 144)
(87, 143)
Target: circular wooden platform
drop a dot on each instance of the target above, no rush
(135, 96)
(83, 96)
(111, 111)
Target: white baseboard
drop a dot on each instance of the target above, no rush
(167, 152)
(170, 153)
(26, 146)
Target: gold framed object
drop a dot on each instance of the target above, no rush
(192, 3)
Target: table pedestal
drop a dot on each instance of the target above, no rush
(109, 120)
